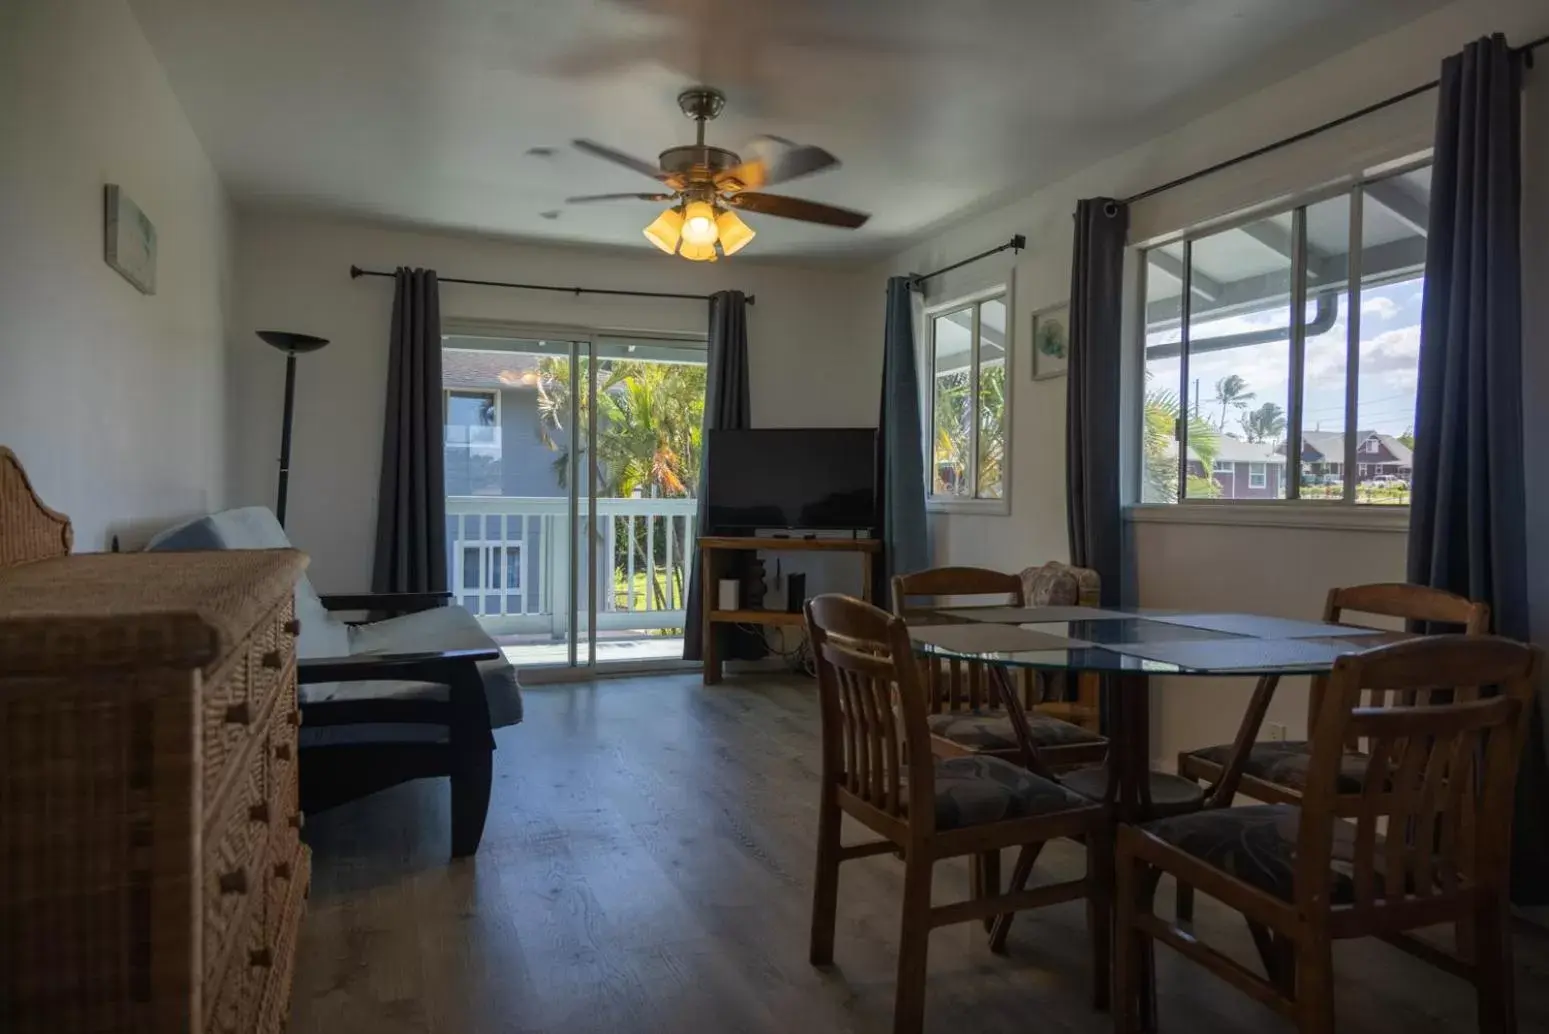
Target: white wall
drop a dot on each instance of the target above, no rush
(814, 350)
(113, 400)
(1271, 570)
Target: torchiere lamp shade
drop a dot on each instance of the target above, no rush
(286, 341)
(292, 345)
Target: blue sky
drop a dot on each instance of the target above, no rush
(1389, 364)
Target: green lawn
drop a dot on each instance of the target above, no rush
(666, 585)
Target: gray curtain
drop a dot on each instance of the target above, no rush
(1467, 521)
(900, 455)
(411, 499)
(1092, 392)
(726, 408)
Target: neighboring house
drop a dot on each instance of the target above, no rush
(494, 447)
(493, 440)
(1243, 470)
(1323, 454)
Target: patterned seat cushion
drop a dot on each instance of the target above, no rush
(1285, 763)
(992, 730)
(1257, 845)
(976, 790)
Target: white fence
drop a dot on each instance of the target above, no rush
(509, 561)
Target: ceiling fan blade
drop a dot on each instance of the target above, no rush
(779, 167)
(796, 208)
(586, 198)
(608, 154)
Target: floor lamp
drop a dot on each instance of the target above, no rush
(292, 345)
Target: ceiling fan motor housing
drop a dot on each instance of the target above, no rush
(697, 161)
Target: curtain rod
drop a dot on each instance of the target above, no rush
(1370, 109)
(1016, 243)
(356, 273)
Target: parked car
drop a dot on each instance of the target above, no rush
(1388, 481)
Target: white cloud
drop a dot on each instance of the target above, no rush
(1380, 307)
(1394, 356)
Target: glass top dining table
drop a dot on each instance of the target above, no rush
(1135, 641)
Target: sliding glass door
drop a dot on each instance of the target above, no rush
(571, 468)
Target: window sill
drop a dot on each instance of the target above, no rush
(982, 507)
(1301, 516)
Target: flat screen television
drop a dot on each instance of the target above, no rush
(812, 479)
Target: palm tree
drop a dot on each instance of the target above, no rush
(1232, 392)
(649, 419)
(955, 417)
(1160, 484)
(1265, 423)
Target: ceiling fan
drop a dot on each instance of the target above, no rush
(707, 183)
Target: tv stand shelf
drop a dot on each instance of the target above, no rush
(755, 617)
(713, 547)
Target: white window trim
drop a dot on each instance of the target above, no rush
(1347, 513)
(1258, 475)
(446, 407)
(1224, 467)
(1274, 513)
(926, 352)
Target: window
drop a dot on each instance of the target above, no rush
(969, 399)
(473, 418)
(1271, 332)
(471, 421)
(1223, 467)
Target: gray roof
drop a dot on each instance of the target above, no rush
(467, 368)
(1235, 450)
(1331, 444)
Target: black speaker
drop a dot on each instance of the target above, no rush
(795, 592)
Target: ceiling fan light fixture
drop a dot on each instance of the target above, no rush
(697, 252)
(699, 224)
(734, 233)
(666, 231)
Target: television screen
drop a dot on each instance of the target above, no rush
(807, 478)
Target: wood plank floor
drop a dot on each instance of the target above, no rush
(647, 867)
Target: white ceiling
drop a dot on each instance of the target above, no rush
(425, 110)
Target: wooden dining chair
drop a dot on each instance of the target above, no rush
(1276, 772)
(878, 767)
(1062, 585)
(967, 716)
(1423, 840)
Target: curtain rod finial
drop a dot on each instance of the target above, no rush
(356, 272)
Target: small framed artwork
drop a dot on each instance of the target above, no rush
(129, 240)
(1051, 342)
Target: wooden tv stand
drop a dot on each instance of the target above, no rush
(713, 547)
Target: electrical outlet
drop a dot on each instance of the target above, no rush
(1276, 731)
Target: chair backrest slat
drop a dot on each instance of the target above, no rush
(1426, 821)
(954, 684)
(875, 741)
(1410, 603)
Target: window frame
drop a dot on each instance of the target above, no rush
(1296, 205)
(1258, 475)
(973, 502)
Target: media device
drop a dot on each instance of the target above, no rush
(792, 478)
(795, 592)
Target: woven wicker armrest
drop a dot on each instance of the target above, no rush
(424, 666)
(387, 602)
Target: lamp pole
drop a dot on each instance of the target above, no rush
(292, 345)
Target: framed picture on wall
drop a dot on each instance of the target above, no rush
(1051, 342)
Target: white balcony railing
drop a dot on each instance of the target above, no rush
(509, 561)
